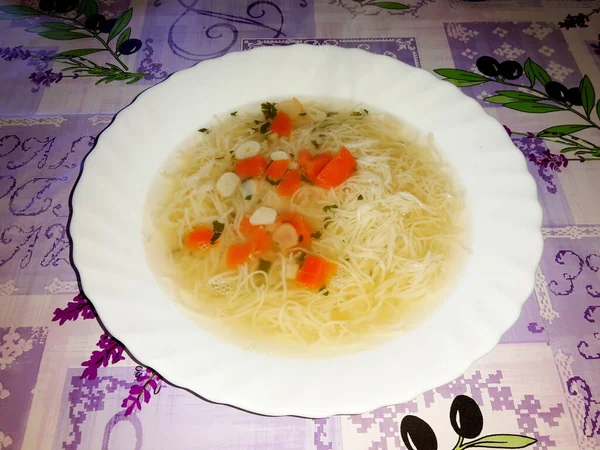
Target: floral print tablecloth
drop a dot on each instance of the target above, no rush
(66, 68)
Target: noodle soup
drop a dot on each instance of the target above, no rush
(306, 228)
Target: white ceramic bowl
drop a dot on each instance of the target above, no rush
(109, 253)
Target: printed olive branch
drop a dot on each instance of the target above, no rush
(466, 419)
(71, 28)
(383, 5)
(554, 97)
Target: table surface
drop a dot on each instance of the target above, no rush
(66, 385)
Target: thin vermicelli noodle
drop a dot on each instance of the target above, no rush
(395, 228)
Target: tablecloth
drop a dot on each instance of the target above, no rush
(66, 68)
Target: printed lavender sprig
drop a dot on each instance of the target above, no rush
(78, 307)
(87, 24)
(111, 352)
(148, 384)
(538, 96)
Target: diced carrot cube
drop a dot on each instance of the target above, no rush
(314, 167)
(251, 167)
(277, 169)
(282, 124)
(290, 183)
(304, 156)
(245, 226)
(337, 170)
(198, 238)
(315, 271)
(238, 254)
(260, 239)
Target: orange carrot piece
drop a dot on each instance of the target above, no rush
(314, 167)
(198, 238)
(238, 254)
(260, 239)
(245, 226)
(251, 167)
(282, 124)
(315, 271)
(290, 183)
(304, 157)
(337, 170)
(277, 169)
(302, 227)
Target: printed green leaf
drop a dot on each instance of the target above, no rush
(58, 35)
(123, 37)
(16, 10)
(500, 99)
(529, 72)
(598, 109)
(570, 149)
(502, 441)
(520, 95)
(588, 96)
(58, 26)
(562, 130)
(389, 5)
(78, 52)
(535, 70)
(87, 8)
(463, 83)
(120, 24)
(533, 107)
(457, 74)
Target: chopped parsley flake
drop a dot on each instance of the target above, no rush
(234, 113)
(268, 109)
(265, 127)
(204, 130)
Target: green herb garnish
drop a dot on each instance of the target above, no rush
(329, 207)
(204, 130)
(302, 114)
(329, 114)
(248, 197)
(316, 144)
(356, 113)
(360, 197)
(218, 228)
(268, 109)
(265, 127)
(366, 111)
(233, 113)
(316, 235)
(264, 265)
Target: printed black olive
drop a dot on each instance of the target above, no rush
(47, 5)
(417, 434)
(488, 66)
(64, 6)
(95, 22)
(130, 46)
(574, 96)
(466, 417)
(511, 70)
(108, 25)
(556, 91)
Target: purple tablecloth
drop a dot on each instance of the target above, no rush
(65, 385)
